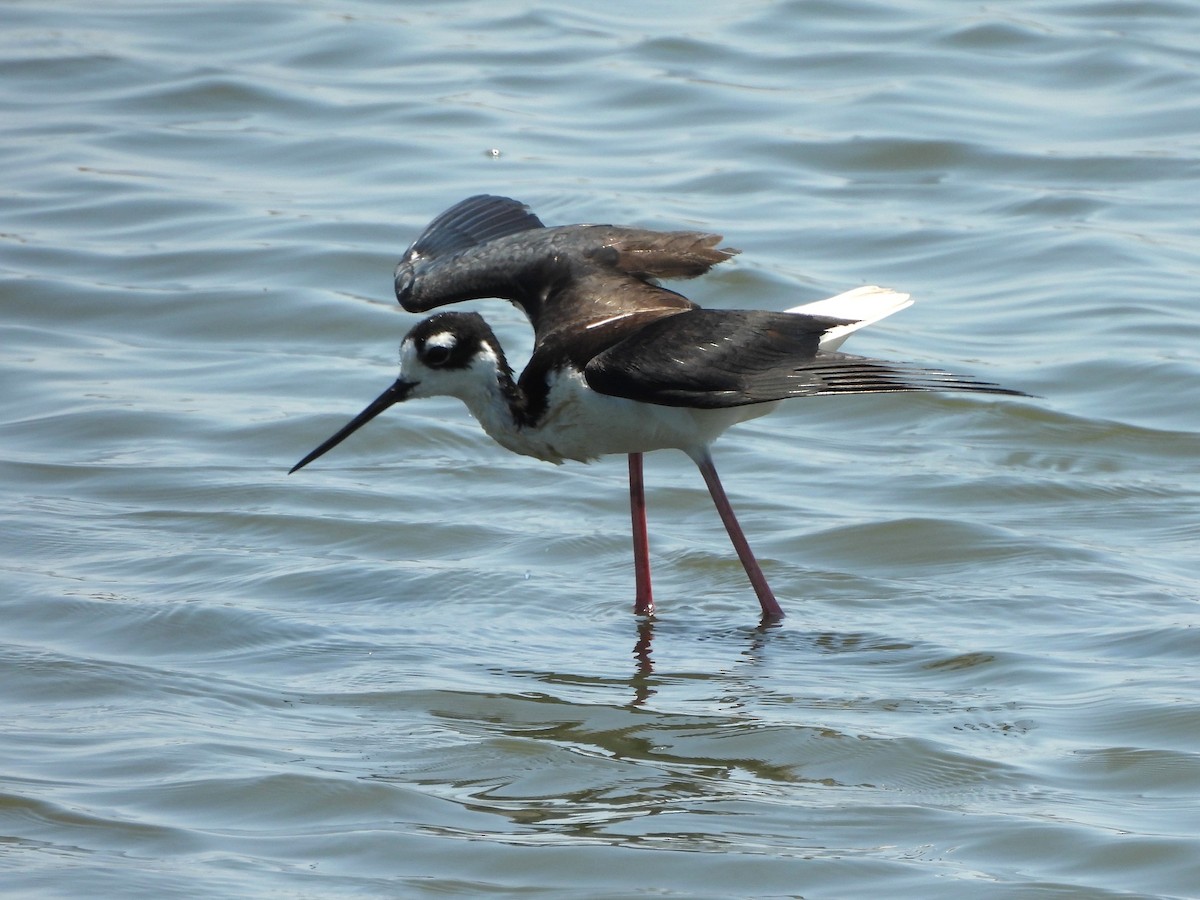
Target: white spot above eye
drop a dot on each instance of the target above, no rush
(444, 339)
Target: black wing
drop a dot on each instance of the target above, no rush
(473, 221)
(489, 246)
(708, 358)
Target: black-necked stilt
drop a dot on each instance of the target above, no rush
(620, 364)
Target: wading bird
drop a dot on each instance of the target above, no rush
(620, 364)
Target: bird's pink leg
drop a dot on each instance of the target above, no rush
(643, 605)
(770, 606)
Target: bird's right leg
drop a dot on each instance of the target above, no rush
(643, 605)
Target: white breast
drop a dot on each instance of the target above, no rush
(583, 425)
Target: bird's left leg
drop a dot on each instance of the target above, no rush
(770, 606)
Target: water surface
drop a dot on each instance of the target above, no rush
(411, 670)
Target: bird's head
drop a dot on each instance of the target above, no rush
(447, 355)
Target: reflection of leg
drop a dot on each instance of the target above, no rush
(640, 680)
(644, 604)
(770, 606)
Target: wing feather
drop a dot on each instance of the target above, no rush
(710, 359)
(471, 222)
(662, 254)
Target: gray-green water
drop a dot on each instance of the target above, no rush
(411, 670)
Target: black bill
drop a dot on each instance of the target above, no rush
(398, 392)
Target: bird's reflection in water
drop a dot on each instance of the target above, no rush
(758, 638)
(644, 667)
(643, 672)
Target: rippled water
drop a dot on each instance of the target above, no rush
(411, 670)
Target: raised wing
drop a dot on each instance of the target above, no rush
(709, 359)
(488, 246)
(471, 222)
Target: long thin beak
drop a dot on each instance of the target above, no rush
(398, 392)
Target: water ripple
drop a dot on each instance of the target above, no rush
(412, 669)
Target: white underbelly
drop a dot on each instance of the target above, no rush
(582, 425)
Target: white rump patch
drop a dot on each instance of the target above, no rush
(864, 305)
